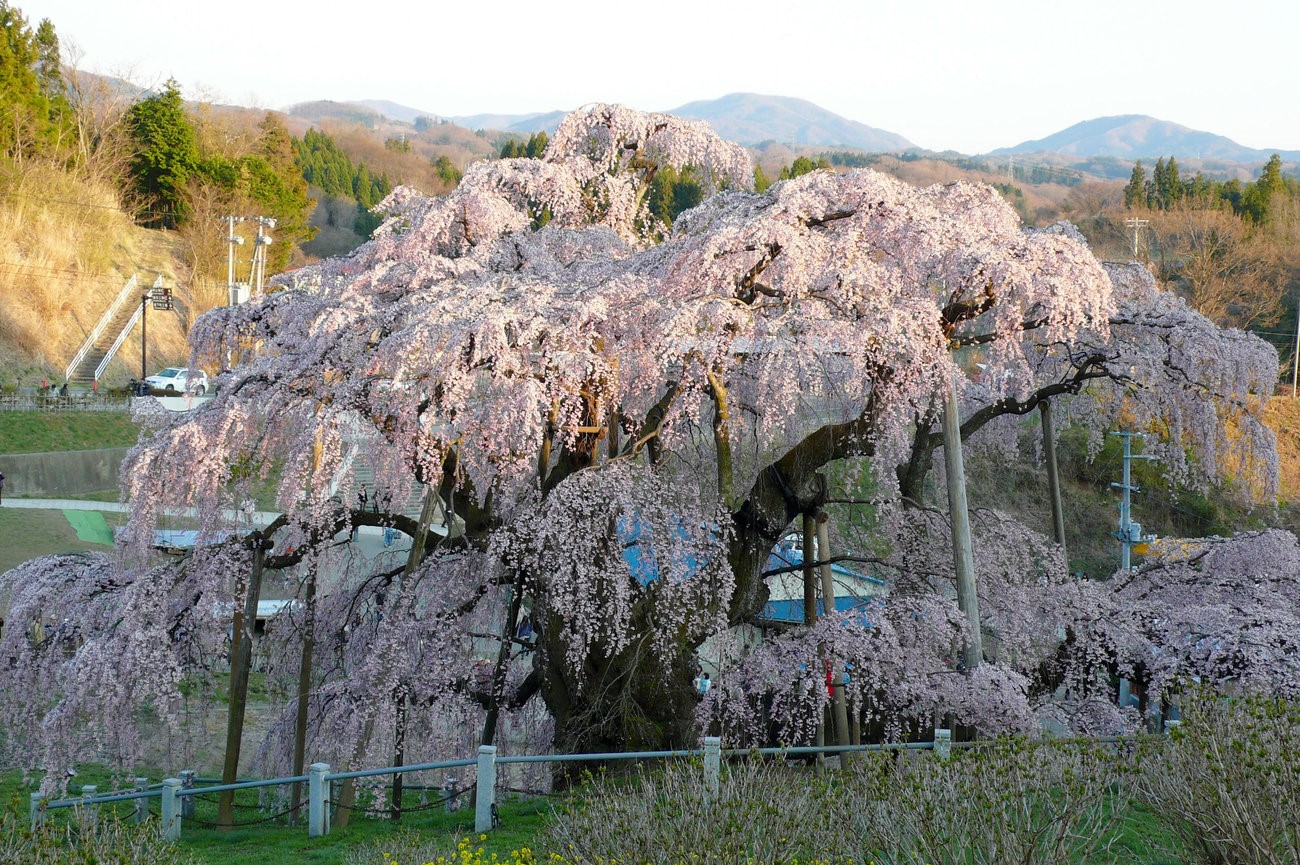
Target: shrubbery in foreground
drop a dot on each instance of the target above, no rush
(84, 842)
(1229, 784)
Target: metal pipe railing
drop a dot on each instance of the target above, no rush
(320, 777)
(98, 330)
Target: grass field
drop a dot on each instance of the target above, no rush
(24, 432)
(29, 533)
(523, 821)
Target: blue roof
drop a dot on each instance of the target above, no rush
(786, 554)
(791, 611)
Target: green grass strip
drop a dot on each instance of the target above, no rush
(90, 526)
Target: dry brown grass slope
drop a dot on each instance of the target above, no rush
(66, 249)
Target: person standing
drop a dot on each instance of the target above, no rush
(2, 488)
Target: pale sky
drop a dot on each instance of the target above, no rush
(945, 74)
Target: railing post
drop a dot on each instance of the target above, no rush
(485, 794)
(171, 811)
(318, 810)
(712, 764)
(449, 792)
(37, 810)
(943, 742)
(89, 808)
(187, 802)
(141, 805)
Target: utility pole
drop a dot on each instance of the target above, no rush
(144, 333)
(1295, 356)
(1137, 225)
(260, 243)
(232, 240)
(1129, 533)
(962, 553)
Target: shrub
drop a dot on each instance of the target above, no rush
(82, 842)
(1010, 801)
(1229, 785)
(762, 813)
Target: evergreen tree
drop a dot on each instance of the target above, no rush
(1135, 193)
(761, 183)
(1257, 197)
(448, 173)
(803, 165)
(536, 145)
(166, 155)
(31, 86)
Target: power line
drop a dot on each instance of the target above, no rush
(11, 194)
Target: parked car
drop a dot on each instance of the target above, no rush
(179, 380)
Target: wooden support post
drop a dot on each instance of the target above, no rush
(304, 687)
(1053, 476)
(239, 682)
(839, 707)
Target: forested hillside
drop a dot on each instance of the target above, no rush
(101, 180)
(138, 181)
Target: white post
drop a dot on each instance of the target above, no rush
(449, 791)
(712, 764)
(318, 812)
(942, 742)
(141, 805)
(171, 812)
(485, 794)
(187, 802)
(88, 807)
(37, 809)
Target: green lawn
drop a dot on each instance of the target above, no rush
(29, 533)
(38, 432)
(522, 822)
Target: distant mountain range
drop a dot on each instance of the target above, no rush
(746, 118)
(754, 119)
(1137, 136)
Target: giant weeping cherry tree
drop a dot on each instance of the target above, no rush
(610, 436)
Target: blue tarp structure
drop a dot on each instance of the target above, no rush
(640, 559)
(790, 610)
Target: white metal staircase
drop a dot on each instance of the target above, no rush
(103, 343)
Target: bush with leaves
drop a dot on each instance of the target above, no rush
(1229, 785)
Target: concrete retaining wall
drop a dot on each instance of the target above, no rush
(61, 474)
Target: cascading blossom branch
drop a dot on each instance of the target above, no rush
(519, 349)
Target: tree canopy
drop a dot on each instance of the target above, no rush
(616, 432)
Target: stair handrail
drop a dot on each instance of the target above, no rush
(121, 337)
(95, 334)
